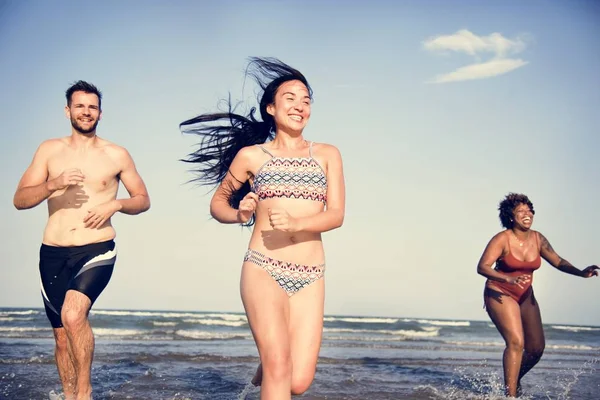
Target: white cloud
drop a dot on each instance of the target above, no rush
(467, 42)
(481, 70)
(470, 43)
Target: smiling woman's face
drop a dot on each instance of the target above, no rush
(291, 108)
(523, 216)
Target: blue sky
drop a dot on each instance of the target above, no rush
(439, 109)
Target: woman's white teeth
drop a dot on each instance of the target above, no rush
(296, 118)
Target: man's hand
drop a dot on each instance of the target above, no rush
(69, 177)
(97, 216)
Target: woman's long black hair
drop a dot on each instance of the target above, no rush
(224, 134)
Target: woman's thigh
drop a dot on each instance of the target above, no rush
(267, 309)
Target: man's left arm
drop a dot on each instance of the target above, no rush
(138, 200)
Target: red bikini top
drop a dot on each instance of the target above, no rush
(510, 263)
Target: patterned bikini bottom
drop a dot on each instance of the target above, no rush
(291, 277)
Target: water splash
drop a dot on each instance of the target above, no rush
(180, 396)
(56, 396)
(469, 385)
(242, 396)
(490, 385)
(567, 384)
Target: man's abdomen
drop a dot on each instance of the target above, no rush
(66, 228)
(67, 210)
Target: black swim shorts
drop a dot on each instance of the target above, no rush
(86, 269)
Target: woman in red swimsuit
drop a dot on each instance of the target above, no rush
(509, 299)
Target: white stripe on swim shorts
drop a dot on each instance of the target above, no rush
(107, 258)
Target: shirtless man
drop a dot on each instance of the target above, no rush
(79, 175)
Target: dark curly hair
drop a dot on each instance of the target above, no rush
(223, 134)
(508, 205)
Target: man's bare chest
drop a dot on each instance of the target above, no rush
(99, 169)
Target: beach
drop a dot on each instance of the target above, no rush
(211, 355)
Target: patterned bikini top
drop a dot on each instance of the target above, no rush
(291, 177)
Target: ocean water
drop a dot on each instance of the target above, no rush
(203, 355)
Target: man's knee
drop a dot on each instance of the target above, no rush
(75, 309)
(72, 317)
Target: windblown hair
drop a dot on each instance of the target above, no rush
(508, 205)
(83, 86)
(224, 134)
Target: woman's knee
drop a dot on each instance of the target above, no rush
(277, 364)
(301, 381)
(515, 343)
(536, 352)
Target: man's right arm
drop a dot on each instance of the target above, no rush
(34, 187)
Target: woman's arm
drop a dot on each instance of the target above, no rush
(493, 251)
(333, 216)
(220, 209)
(490, 255)
(548, 253)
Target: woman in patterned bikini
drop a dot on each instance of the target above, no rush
(508, 296)
(291, 190)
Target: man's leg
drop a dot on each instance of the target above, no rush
(94, 264)
(64, 363)
(80, 340)
(54, 279)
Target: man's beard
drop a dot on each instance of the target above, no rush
(80, 129)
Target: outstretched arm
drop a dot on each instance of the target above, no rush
(34, 186)
(548, 253)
